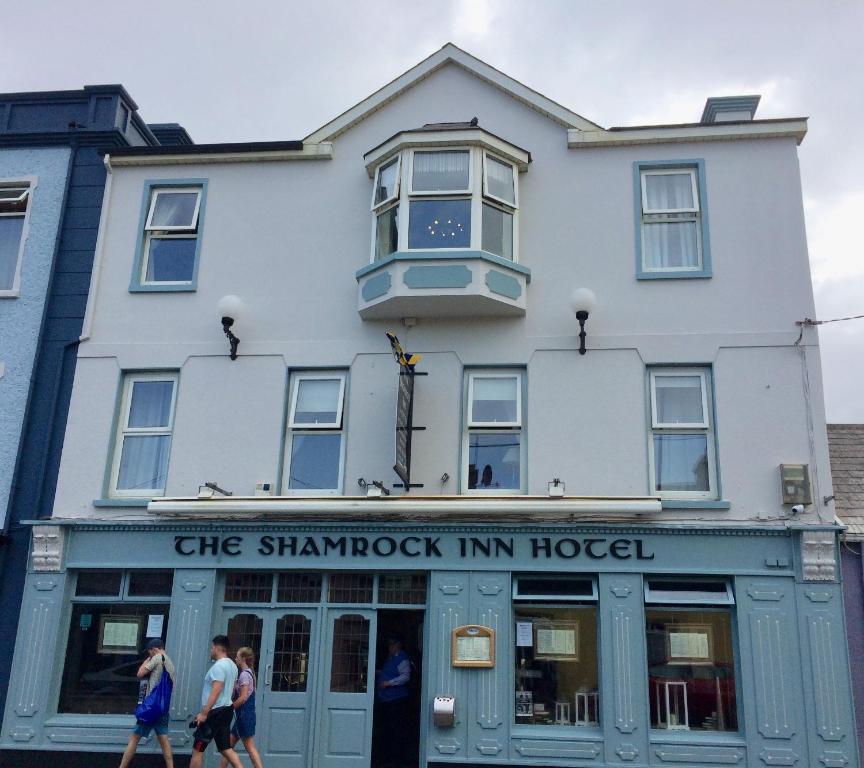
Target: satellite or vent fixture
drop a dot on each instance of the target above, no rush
(795, 484)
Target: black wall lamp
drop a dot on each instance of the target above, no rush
(582, 301)
(231, 308)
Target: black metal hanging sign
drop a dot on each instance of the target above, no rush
(404, 412)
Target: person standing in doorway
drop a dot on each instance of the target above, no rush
(150, 673)
(244, 707)
(393, 693)
(214, 720)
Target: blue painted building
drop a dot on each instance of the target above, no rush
(52, 180)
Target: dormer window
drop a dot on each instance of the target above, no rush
(446, 197)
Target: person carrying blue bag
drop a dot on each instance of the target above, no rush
(156, 674)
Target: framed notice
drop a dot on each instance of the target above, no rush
(119, 634)
(691, 644)
(524, 704)
(472, 646)
(556, 640)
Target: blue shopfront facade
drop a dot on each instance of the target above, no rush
(613, 644)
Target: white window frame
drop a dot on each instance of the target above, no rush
(680, 215)
(154, 232)
(475, 193)
(472, 377)
(680, 374)
(380, 207)
(28, 184)
(123, 430)
(497, 427)
(706, 429)
(487, 194)
(154, 196)
(301, 377)
(466, 192)
(295, 429)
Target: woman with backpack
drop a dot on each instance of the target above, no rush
(244, 706)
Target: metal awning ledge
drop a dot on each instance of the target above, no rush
(405, 508)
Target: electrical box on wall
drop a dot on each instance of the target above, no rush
(795, 483)
(263, 489)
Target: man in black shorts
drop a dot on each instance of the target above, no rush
(214, 719)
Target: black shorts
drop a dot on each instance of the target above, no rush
(217, 727)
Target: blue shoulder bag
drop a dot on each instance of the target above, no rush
(157, 703)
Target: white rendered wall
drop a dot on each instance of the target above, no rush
(289, 236)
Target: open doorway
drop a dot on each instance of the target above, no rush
(396, 724)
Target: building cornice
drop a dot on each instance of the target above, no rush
(197, 154)
(691, 132)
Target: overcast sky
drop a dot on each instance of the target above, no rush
(257, 70)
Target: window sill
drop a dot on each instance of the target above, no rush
(720, 504)
(10, 294)
(441, 255)
(188, 288)
(695, 274)
(576, 732)
(725, 738)
(125, 502)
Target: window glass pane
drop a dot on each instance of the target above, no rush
(244, 630)
(681, 462)
(671, 245)
(151, 404)
(386, 187)
(493, 461)
(317, 401)
(150, 583)
(387, 232)
(556, 676)
(679, 399)
(291, 654)
(98, 583)
(439, 224)
(499, 180)
(441, 171)
(668, 191)
(10, 242)
(691, 670)
(350, 588)
(171, 260)
(174, 209)
(402, 588)
(350, 655)
(248, 587)
(101, 683)
(494, 399)
(545, 587)
(299, 588)
(497, 231)
(315, 462)
(144, 462)
(691, 590)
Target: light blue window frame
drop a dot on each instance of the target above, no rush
(698, 165)
(135, 285)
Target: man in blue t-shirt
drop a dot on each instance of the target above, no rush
(392, 684)
(214, 719)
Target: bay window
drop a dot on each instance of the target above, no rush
(442, 199)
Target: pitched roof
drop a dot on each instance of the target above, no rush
(451, 54)
(846, 449)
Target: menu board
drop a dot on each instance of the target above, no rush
(119, 634)
(473, 646)
(556, 640)
(690, 644)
